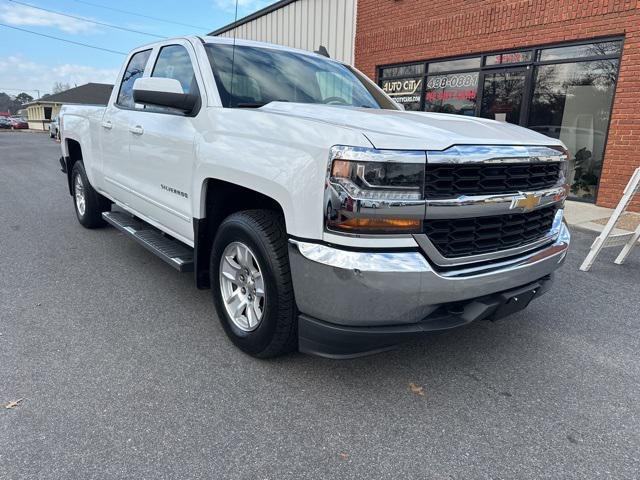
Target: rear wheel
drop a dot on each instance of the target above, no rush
(88, 203)
(251, 283)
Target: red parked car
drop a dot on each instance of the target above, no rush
(18, 123)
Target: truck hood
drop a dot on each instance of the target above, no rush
(400, 130)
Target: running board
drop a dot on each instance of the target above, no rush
(175, 253)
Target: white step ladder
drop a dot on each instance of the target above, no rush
(607, 238)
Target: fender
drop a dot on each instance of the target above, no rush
(77, 130)
(215, 197)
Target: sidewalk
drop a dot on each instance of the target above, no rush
(591, 218)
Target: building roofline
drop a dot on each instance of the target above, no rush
(37, 102)
(260, 13)
(88, 93)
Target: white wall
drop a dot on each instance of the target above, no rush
(307, 24)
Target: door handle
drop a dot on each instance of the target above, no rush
(107, 124)
(137, 130)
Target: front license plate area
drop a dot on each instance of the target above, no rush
(515, 300)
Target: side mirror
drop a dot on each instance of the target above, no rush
(163, 92)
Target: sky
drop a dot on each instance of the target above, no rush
(30, 63)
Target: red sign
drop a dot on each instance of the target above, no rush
(443, 95)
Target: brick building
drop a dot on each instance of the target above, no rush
(567, 68)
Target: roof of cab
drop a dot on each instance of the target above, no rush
(231, 41)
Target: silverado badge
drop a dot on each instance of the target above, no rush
(526, 201)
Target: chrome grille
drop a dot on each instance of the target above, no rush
(462, 237)
(454, 180)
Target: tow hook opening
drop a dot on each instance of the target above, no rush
(455, 308)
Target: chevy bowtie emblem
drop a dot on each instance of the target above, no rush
(526, 201)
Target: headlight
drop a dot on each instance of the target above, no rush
(375, 191)
(379, 180)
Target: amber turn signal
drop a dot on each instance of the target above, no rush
(380, 224)
(340, 168)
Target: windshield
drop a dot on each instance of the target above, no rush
(263, 75)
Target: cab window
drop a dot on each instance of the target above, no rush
(134, 70)
(174, 62)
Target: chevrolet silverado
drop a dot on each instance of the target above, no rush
(322, 216)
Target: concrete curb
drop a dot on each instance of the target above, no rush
(596, 228)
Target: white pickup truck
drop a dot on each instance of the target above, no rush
(322, 216)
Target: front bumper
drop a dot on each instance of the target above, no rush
(338, 341)
(349, 289)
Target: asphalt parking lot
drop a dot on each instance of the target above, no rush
(125, 372)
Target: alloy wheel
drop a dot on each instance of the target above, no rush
(78, 190)
(242, 286)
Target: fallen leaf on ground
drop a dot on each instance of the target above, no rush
(417, 389)
(14, 403)
(344, 456)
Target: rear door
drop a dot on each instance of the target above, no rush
(115, 134)
(161, 146)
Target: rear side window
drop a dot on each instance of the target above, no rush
(134, 70)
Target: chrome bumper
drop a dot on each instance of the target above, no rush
(392, 288)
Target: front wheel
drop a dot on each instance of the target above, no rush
(251, 283)
(88, 203)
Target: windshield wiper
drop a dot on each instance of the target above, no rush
(257, 104)
(251, 105)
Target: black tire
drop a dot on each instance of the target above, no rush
(263, 231)
(95, 203)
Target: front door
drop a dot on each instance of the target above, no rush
(503, 92)
(162, 149)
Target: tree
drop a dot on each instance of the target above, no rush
(12, 104)
(5, 102)
(60, 87)
(23, 98)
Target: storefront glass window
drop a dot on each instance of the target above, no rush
(508, 58)
(577, 51)
(453, 65)
(405, 91)
(402, 71)
(452, 93)
(572, 102)
(563, 91)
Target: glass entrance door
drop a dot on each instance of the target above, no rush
(503, 92)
